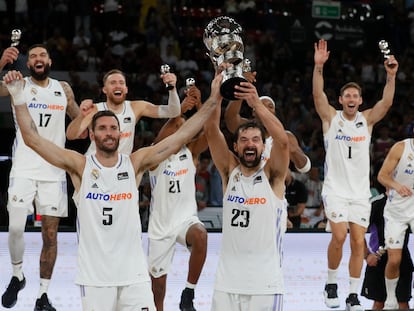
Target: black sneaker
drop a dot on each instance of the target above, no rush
(43, 304)
(331, 295)
(353, 304)
(9, 298)
(186, 303)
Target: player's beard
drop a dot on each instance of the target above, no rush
(40, 76)
(117, 99)
(109, 149)
(250, 164)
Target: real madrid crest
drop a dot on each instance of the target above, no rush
(341, 123)
(236, 177)
(95, 174)
(33, 91)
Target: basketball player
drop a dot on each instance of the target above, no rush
(107, 202)
(346, 188)
(233, 119)
(396, 174)
(128, 112)
(173, 212)
(249, 274)
(373, 285)
(33, 180)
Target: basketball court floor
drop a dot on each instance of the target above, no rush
(304, 267)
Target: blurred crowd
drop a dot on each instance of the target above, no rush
(138, 36)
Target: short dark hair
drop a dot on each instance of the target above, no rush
(351, 85)
(250, 124)
(110, 72)
(103, 113)
(38, 45)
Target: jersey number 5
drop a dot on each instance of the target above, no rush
(107, 216)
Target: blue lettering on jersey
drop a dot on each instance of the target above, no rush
(109, 197)
(45, 106)
(350, 138)
(175, 173)
(246, 201)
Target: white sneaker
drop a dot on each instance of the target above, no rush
(391, 304)
(330, 294)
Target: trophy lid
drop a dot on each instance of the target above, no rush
(222, 25)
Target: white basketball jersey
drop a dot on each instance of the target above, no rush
(110, 251)
(347, 163)
(398, 207)
(250, 260)
(127, 126)
(47, 107)
(172, 194)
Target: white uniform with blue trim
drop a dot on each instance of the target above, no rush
(110, 249)
(398, 210)
(127, 123)
(347, 163)
(250, 260)
(172, 194)
(47, 107)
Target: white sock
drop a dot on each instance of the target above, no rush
(354, 285)
(391, 285)
(44, 285)
(18, 271)
(332, 276)
(189, 285)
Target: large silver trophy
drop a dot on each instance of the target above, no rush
(225, 46)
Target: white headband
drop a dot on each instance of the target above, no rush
(269, 99)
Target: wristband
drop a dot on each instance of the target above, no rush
(306, 167)
(15, 89)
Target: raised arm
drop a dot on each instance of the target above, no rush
(232, 115)
(385, 175)
(8, 56)
(72, 108)
(78, 127)
(297, 156)
(173, 109)
(278, 164)
(323, 108)
(68, 160)
(191, 100)
(384, 104)
(150, 156)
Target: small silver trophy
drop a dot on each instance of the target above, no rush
(16, 34)
(385, 50)
(225, 46)
(381, 251)
(189, 82)
(166, 69)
